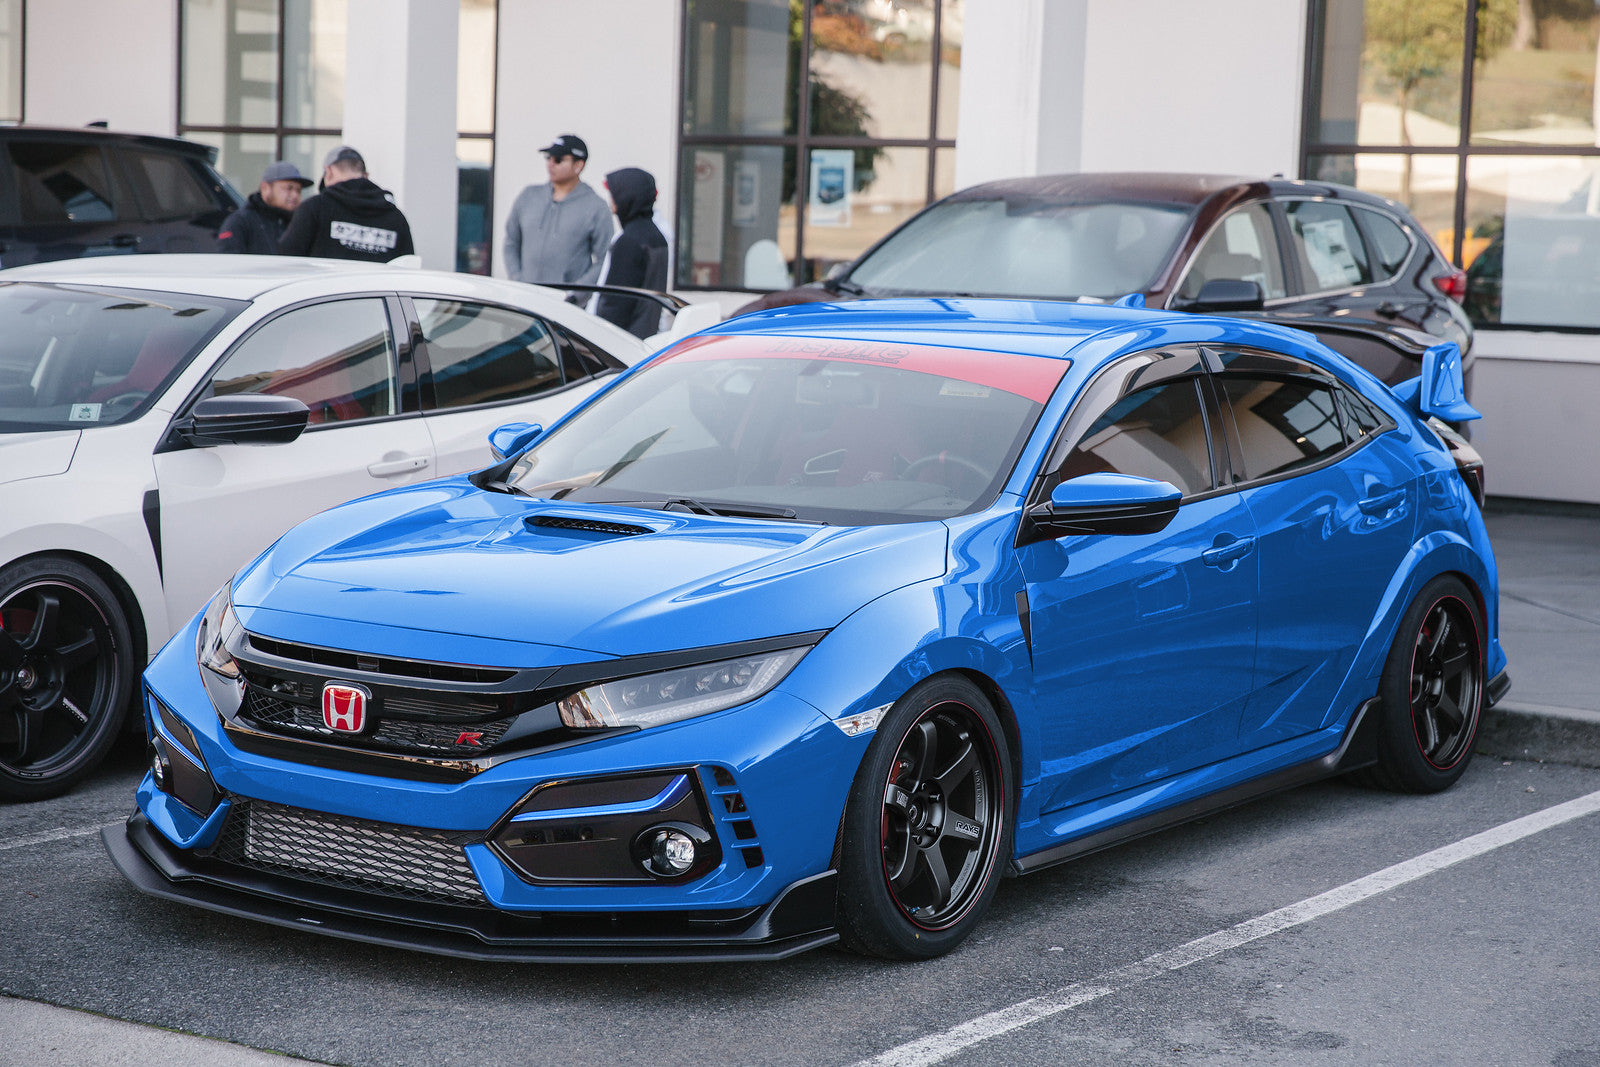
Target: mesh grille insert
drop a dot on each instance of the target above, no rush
(336, 850)
(559, 522)
(401, 735)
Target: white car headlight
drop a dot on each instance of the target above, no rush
(218, 627)
(683, 693)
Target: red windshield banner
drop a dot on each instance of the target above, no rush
(1034, 377)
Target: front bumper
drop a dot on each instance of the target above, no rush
(800, 918)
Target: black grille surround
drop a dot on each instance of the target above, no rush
(437, 722)
(346, 853)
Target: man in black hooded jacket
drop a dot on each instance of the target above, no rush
(350, 219)
(638, 255)
(257, 227)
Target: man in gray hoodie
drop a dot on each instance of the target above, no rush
(559, 231)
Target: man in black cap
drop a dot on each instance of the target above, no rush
(256, 227)
(559, 232)
(350, 219)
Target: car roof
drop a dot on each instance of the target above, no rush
(1091, 334)
(100, 135)
(1157, 187)
(233, 277)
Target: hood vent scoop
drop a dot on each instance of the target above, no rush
(593, 526)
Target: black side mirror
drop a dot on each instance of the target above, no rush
(1225, 294)
(1105, 503)
(245, 419)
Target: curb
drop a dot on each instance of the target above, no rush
(1545, 734)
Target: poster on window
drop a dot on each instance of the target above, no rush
(833, 173)
(746, 192)
(705, 249)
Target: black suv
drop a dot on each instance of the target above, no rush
(66, 193)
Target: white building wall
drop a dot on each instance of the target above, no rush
(606, 71)
(1212, 86)
(400, 112)
(89, 60)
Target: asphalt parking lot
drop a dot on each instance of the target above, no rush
(1326, 925)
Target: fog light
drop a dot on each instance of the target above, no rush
(160, 770)
(671, 852)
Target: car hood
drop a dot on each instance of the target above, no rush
(36, 455)
(446, 571)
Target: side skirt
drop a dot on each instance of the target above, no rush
(1358, 749)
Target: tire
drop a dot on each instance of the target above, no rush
(66, 674)
(933, 794)
(1431, 692)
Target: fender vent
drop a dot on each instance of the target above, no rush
(562, 522)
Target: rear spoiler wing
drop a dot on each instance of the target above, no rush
(1440, 389)
(687, 318)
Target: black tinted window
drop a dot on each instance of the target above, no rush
(1158, 432)
(480, 354)
(580, 359)
(1282, 423)
(335, 357)
(1391, 243)
(61, 182)
(167, 186)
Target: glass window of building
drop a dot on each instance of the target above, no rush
(1480, 116)
(476, 51)
(810, 130)
(262, 80)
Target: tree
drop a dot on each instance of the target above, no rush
(1411, 42)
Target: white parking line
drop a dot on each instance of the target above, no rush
(937, 1047)
(51, 835)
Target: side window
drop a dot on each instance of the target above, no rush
(479, 354)
(1361, 419)
(1155, 432)
(1328, 246)
(166, 185)
(580, 359)
(1391, 243)
(336, 357)
(61, 182)
(1282, 423)
(1241, 248)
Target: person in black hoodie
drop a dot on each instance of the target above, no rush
(638, 255)
(350, 219)
(257, 227)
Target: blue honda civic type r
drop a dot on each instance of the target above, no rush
(819, 623)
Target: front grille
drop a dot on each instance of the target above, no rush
(347, 853)
(400, 735)
(403, 668)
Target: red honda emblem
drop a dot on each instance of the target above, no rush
(344, 707)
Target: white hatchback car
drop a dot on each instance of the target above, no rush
(163, 419)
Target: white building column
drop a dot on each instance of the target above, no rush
(1022, 89)
(400, 111)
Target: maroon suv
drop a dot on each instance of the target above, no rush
(1355, 269)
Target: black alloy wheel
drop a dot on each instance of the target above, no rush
(66, 671)
(928, 824)
(1432, 691)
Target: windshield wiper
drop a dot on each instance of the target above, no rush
(631, 456)
(719, 509)
(845, 286)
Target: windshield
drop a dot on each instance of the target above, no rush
(75, 356)
(842, 432)
(1025, 247)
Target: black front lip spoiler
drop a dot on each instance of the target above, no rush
(801, 918)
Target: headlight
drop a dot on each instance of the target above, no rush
(218, 627)
(654, 699)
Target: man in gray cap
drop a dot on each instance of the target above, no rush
(559, 232)
(350, 219)
(256, 227)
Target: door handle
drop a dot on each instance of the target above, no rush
(1382, 503)
(388, 467)
(1223, 557)
(125, 240)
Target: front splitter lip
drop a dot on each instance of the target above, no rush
(800, 919)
